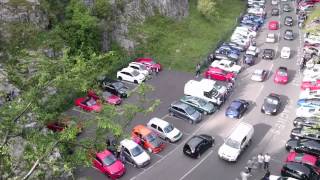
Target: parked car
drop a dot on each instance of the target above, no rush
(185, 111)
(257, 11)
(285, 53)
(141, 68)
(150, 63)
(308, 94)
(89, 103)
(305, 132)
(281, 76)
(110, 98)
(223, 54)
(268, 54)
(273, 25)
(108, 164)
(237, 142)
(60, 125)
(275, 177)
(197, 145)
(228, 49)
(288, 21)
(249, 59)
(307, 112)
(226, 65)
(303, 121)
(134, 153)
(234, 46)
(199, 104)
(271, 104)
(311, 85)
(253, 50)
(286, 8)
(271, 38)
(274, 2)
(219, 74)
(131, 75)
(298, 170)
(237, 108)
(115, 87)
(259, 75)
(303, 158)
(275, 12)
(304, 146)
(312, 103)
(148, 139)
(288, 35)
(165, 130)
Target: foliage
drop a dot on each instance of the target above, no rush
(208, 8)
(102, 9)
(314, 16)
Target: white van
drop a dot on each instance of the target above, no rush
(164, 129)
(239, 139)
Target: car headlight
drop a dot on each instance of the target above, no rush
(275, 110)
(263, 107)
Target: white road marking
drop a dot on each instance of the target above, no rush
(158, 155)
(194, 167)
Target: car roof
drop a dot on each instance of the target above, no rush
(297, 167)
(268, 50)
(274, 96)
(144, 59)
(258, 71)
(194, 141)
(241, 131)
(236, 104)
(273, 22)
(127, 69)
(142, 129)
(159, 122)
(103, 154)
(130, 144)
(216, 70)
(180, 104)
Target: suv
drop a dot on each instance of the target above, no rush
(304, 145)
(238, 141)
(185, 111)
(165, 130)
(134, 153)
(299, 171)
(115, 87)
(306, 133)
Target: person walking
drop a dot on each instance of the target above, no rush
(198, 67)
(260, 160)
(267, 159)
(249, 165)
(245, 175)
(266, 176)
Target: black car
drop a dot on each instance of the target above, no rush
(271, 104)
(249, 59)
(114, 87)
(234, 46)
(286, 8)
(299, 171)
(268, 54)
(305, 132)
(237, 108)
(304, 146)
(197, 145)
(275, 12)
(303, 121)
(288, 21)
(288, 35)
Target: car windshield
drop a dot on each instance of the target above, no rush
(135, 73)
(136, 151)
(232, 143)
(289, 32)
(168, 128)
(272, 101)
(257, 73)
(202, 102)
(143, 67)
(118, 85)
(151, 137)
(270, 35)
(109, 160)
(282, 73)
(190, 110)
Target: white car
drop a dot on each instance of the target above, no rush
(259, 2)
(134, 153)
(164, 129)
(256, 11)
(274, 2)
(274, 177)
(312, 77)
(131, 75)
(312, 70)
(308, 94)
(226, 65)
(259, 75)
(245, 31)
(253, 50)
(307, 111)
(141, 68)
(271, 38)
(285, 52)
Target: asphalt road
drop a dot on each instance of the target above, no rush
(271, 132)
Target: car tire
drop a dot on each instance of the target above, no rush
(190, 121)
(120, 78)
(167, 139)
(135, 81)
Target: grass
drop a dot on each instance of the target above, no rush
(181, 45)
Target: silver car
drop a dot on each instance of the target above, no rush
(199, 104)
(185, 111)
(259, 75)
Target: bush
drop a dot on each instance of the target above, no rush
(208, 8)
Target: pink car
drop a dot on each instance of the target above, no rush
(273, 25)
(89, 103)
(303, 158)
(149, 63)
(107, 163)
(111, 99)
(312, 85)
(281, 75)
(219, 74)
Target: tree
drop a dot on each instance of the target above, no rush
(208, 8)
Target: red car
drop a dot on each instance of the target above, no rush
(89, 103)
(303, 158)
(273, 25)
(111, 99)
(107, 163)
(311, 85)
(219, 74)
(149, 63)
(59, 126)
(281, 75)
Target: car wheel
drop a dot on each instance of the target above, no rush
(135, 81)
(240, 115)
(190, 121)
(120, 78)
(205, 112)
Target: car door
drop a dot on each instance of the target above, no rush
(184, 114)
(127, 155)
(154, 127)
(98, 164)
(243, 143)
(161, 133)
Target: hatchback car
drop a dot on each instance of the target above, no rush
(164, 130)
(259, 75)
(304, 146)
(303, 121)
(288, 21)
(273, 25)
(303, 158)
(285, 52)
(249, 59)
(300, 171)
(150, 63)
(288, 35)
(141, 68)
(185, 112)
(108, 164)
(197, 145)
(219, 74)
(199, 104)
(115, 87)
(268, 54)
(131, 75)
(134, 153)
(286, 8)
(281, 75)
(275, 12)
(237, 108)
(305, 132)
(148, 139)
(271, 104)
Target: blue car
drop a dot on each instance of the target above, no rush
(220, 53)
(237, 108)
(254, 18)
(229, 49)
(254, 27)
(311, 103)
(234, 46)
